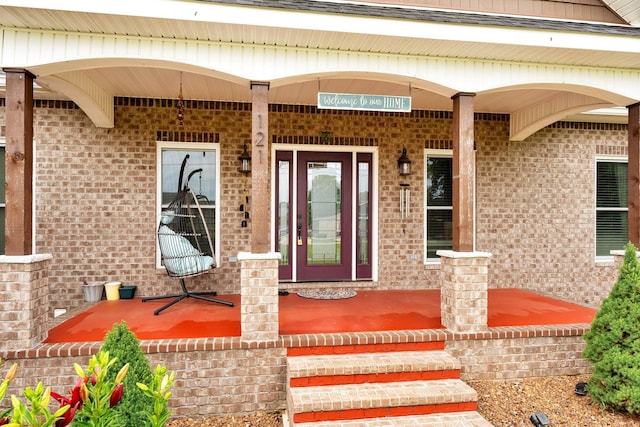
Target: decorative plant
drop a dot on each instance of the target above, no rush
(11, 373)
(613, 342)
(158, 390)
(99, 393)
(122, 344)
(94, 397)
(37, 414)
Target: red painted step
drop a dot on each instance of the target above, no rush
(319, 370)
(365, 348)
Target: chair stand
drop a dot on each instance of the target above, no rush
(185, 294)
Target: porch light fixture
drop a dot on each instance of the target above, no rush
(245, 161)
(404, 164)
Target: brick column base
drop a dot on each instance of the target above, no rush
(259, 296)
(24, 301)
(463, 294)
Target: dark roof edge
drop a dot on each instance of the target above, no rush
(437, 15)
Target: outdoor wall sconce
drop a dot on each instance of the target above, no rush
(245, 161)
(404, 164)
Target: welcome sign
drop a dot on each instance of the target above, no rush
(351, 101)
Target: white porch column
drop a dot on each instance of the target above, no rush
(259, 296)
(464, 293)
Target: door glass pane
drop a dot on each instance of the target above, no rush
(323, 207)
(283, 211)
(363, 213)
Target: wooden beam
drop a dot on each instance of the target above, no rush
(19, 162)
(260, 168)
(463, 172)
(633, 178)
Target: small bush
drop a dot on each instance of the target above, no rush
(122, 344)
(613, 342)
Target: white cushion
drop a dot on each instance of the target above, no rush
(180, 258)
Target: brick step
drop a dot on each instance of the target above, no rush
(365, 348)
(458, 419)
(374, 400)
(306, 371)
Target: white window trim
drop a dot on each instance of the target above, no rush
(181, 146)
(609, 158)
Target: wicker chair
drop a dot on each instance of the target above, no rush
(185, 244)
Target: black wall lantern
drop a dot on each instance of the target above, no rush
(245, 161)
(404, 164)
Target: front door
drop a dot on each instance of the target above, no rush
(318, 231)
(323, 217)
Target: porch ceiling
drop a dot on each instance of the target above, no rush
(406, 37)
(210, 21)
(629, 10)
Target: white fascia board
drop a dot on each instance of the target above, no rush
(333, 22)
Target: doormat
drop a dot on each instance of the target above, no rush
(327, 294)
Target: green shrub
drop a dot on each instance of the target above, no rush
(613, 342)
(122, 344)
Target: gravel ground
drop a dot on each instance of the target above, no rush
(504, 404)
(512, 403)
(260, 419)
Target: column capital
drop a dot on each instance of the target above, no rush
(257, 83)
(463, 94)
(19, 71)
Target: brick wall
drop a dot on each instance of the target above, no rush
(536, 208)
(507, 353)
(226, 376)
(95, 206)
(213, 376)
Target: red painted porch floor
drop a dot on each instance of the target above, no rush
(368, 311)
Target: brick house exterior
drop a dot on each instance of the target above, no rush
(112, 172)
(95, 176)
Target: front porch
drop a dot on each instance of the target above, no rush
(234, 360)
(528, 335)
(370, 311)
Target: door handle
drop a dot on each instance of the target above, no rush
(299, 230)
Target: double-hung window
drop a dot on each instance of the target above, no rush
(438, 202)
(611, 206)
(203, 174)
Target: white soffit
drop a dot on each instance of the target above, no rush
(629, 10)
(204, 21)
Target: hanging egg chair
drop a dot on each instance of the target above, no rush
(185, 243)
